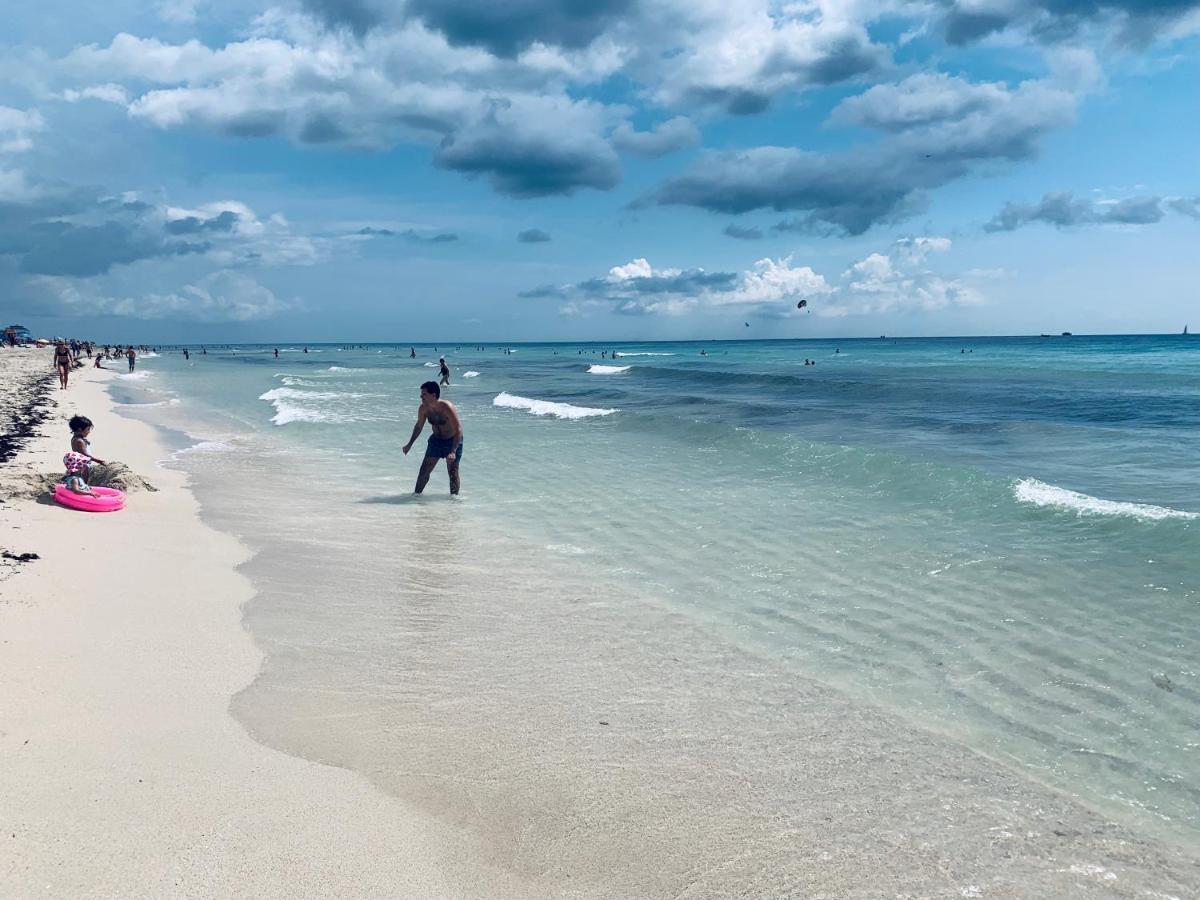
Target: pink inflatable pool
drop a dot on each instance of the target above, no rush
(101, 499)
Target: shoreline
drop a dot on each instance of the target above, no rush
(125, 775)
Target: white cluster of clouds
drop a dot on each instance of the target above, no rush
(68, 249)
(17, 128)
(521, 96)
(898, 280)
(221, 296)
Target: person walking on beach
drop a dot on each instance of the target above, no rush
(446, 442)
(62, 363)
(445, 371)
(131, 355)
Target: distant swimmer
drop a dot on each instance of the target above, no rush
(277, 353)
(412, 352)
(445, 370)
(446, 442)
(186, 355)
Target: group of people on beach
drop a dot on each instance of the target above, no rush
(68, 354)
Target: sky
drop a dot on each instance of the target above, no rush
(459, 170)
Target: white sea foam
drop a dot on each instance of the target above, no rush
(608, 370)
(136, 376)
(206, 447)
(471, 374)
(641, 353)
(345, 369)
(547, 408)
(283, 393)
(1038, 493)
(430, 365)
(149, 355)
(296, 406)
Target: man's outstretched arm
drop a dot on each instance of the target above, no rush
(416, 432)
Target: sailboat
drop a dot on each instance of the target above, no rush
(1185, 329)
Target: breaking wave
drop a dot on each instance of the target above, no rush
(548, 408)
(1038, 493)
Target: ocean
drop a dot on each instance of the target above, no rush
(668, 560)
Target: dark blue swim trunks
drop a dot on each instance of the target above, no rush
(441, 447)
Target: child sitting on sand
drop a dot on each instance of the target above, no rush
(79, 459)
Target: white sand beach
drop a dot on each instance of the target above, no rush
(124, 775)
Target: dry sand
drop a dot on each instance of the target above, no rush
(123, 774)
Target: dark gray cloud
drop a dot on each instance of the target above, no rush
(743, 234)
(504, 29)
(509, 27)
(533, 236)
(644, 284)
(689, 281)
(886, 182)
(224, 221)
(1186, 206)
(1136, 21)
(794, 59)
(1062, 210)
(637, 288)
(671, 135)
(409, 234)
(844, 57)
(840, 193)
(524, 157)
(61, 248)
(360, 16)
(81, 233)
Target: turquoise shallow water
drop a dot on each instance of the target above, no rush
(999, 546)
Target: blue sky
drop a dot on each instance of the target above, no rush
(353, 170)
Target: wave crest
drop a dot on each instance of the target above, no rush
(548, 408)
(608, 370)
(1039, 493)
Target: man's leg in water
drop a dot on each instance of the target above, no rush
(452, 468)
(426, 470)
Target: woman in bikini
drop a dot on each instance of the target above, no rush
(62, 362)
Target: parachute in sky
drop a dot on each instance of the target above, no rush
(802, 304)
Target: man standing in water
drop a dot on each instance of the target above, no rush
(447, 438)
(445, 371)
(131, 355)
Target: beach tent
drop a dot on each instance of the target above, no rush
(17, 334)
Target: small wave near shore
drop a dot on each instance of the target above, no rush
(1039, 493)
(548, 408)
